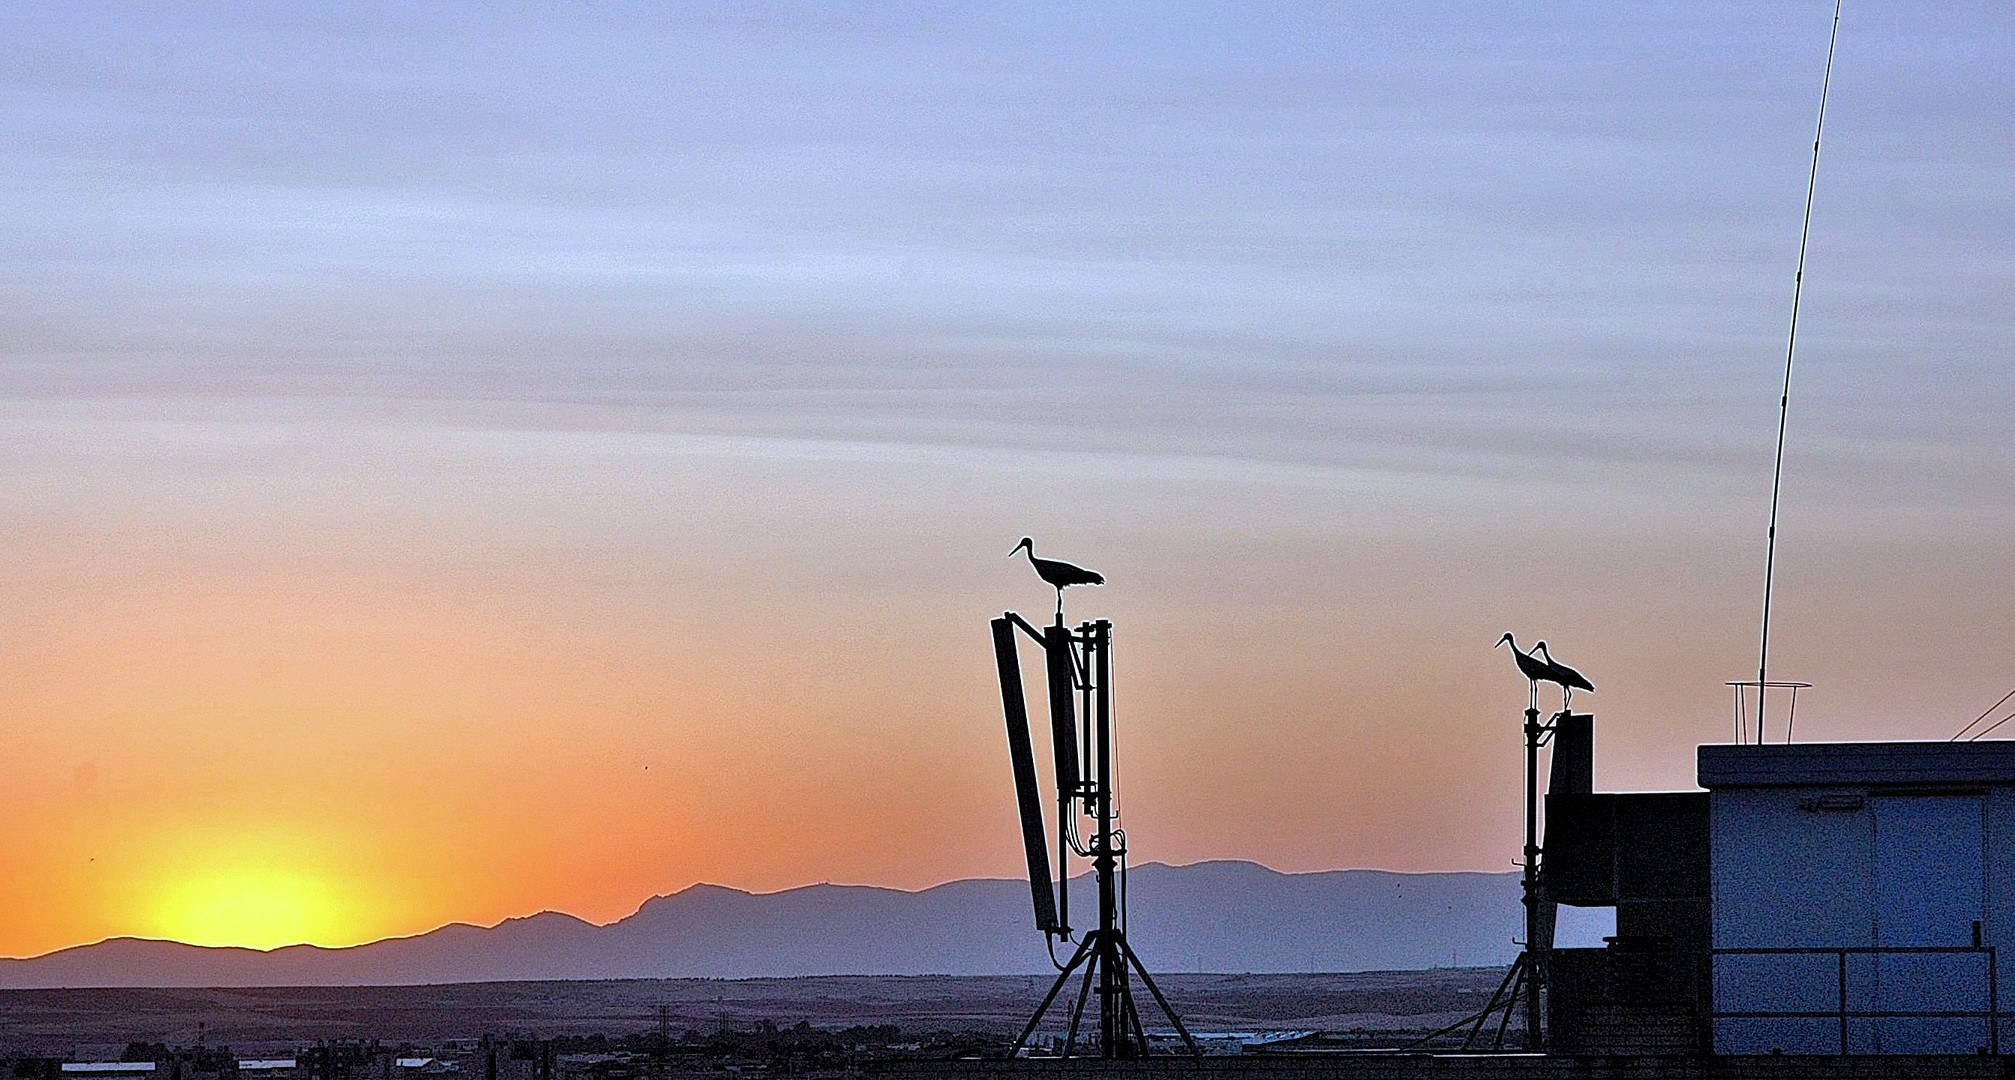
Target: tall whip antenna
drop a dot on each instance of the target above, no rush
(1784, 402)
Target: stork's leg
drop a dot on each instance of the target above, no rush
(1532, 694)
(1059, 605)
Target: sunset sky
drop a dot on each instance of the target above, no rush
(464, 460)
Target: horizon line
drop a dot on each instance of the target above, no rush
(701, 885)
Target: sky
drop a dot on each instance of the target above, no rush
(458, 461)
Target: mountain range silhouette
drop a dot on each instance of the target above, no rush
(1213, 916)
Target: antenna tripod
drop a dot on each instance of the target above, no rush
(1524, 982)
(1080, 665)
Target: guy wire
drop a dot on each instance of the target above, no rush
(1984, 715)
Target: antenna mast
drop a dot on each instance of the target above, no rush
(1784, 402)
(1079, 664)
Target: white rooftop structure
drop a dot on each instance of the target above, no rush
(1859, 895)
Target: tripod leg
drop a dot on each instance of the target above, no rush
(1496, 996)
(1510, 1006)
(1167, 1009)
(1135, 1030)
(1077, 1010)
(1433, 1035)
(1063, 976)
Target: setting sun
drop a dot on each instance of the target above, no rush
(260, 908)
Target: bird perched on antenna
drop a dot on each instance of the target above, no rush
(1538, 666)
(1569, 679)
(1059, 574)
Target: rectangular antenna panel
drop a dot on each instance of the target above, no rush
(1021, 753)
(1062, 707)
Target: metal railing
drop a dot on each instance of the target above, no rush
(1992, 1014)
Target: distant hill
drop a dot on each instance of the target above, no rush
(1213, 916)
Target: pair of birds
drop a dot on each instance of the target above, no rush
(1538, 666)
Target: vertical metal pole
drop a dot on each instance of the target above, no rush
(1090, 740)
(1111, 1034)
(1531, 879)
(1085, 735)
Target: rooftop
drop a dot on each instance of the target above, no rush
(1820, 764)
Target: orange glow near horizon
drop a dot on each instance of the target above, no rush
(369, 731)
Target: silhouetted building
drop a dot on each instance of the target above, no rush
(1821, 898)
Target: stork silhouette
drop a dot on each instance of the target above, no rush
(1529, 665)
(1059, 574)
(1538, 666)
(1569, 679)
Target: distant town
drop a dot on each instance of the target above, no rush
(761, 1049)
(567, 1030)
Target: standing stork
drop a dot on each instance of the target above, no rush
(1059, 574)
(1531, 666)
(1569, 679)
